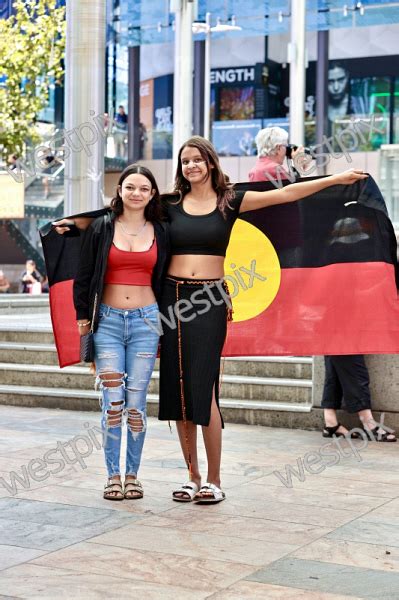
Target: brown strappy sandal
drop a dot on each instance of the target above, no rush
(133, 489)
(113, 490)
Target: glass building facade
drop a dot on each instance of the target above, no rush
(245, 98)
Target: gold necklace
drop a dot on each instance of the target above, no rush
(132, 234)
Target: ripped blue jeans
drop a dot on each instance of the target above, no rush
(125, 348)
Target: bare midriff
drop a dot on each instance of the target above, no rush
(196, 266)
(127, 297)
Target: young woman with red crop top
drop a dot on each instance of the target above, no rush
(201, 214)
(123, 258)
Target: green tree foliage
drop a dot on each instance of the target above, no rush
(32, 45)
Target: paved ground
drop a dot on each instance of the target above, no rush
(333, 535)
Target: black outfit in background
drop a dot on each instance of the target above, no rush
(96, 245)
(200, 340)
(25, 285)
(347, 379)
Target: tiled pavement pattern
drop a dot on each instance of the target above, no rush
(334, 535)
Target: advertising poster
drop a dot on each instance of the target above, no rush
(358, 91)
(235, 138)
(365, 99)
(283, 123)
(236, 103)
(146, 117)
(162, 140)
(12, 196)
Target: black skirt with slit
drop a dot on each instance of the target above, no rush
(191, 346)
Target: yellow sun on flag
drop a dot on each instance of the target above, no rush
(252, 271)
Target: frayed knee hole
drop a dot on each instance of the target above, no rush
(135, 420)
(114, 417)
(111, 379)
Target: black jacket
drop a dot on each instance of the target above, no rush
(96, 244)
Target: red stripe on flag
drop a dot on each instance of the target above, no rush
(347, 308)
(63, 316)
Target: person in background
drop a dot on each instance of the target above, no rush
(120, 132)
(271, 144)
(143, 139)
(347, 378)
(29, 277)
(49, 160)
(12, 162)
(4, 283)
(45, 285)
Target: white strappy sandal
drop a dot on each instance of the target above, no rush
(190, 489)
(209, 494)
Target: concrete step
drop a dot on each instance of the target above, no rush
(233, 386)
(26, 333)
(28, 353)
(258, 366)
(278, 414)
(26, 297)
(78, 378)
(23, 304)
(273, 391)
(291, 367)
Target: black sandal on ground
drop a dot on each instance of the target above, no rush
(374, 435)
(330, 432)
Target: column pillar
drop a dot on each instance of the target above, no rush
(297, 60)
(321, 93)
(199, 72)
(84, 100)
(183, 74)
(133, 119)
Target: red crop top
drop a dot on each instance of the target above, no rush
(130, 268)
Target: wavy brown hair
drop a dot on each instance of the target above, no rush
(153, 210)
(220, 181)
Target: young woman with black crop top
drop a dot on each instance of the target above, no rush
(201, 213)
(123, 258)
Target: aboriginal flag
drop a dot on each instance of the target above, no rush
(61, 254)
(327, 276)
(313, 277)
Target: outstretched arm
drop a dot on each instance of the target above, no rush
(297, 191)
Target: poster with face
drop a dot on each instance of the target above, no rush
(338, 92)
(360, 91)
(361, 100)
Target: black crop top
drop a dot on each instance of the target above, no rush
(202, 234)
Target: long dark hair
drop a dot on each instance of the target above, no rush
(153, 210)
(220, 182)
